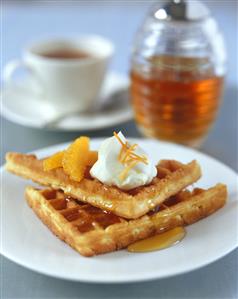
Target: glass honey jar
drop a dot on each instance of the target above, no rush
(177, 74)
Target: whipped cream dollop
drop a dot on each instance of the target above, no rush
(110, 170)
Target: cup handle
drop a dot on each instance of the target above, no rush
(11, 68)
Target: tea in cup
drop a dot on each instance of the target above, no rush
(68, 72)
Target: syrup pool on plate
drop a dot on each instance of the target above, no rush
(158, 242)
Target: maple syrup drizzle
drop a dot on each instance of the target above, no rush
(158, 242)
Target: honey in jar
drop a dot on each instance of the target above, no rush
(177, 73)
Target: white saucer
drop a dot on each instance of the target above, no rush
(20, 105)
(26, 241)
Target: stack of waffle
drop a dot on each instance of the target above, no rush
(95, 218)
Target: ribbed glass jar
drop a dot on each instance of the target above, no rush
(177, 78)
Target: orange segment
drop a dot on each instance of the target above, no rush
(76, 158)
(92, 158)
(55, 161)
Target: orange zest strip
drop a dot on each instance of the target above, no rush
(141, 158)
(128, 157)
(119, 139)
(124, 173)
(129, 151)
(124, 145)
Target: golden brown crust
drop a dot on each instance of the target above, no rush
(186, 208)
(172, 177)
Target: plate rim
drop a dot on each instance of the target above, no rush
(120, 280)
(136, 278)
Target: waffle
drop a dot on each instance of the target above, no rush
(92, 231)
(172, 177)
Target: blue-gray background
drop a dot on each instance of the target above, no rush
(24, 21)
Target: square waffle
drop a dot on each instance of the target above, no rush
(92, 231)
(171, 178)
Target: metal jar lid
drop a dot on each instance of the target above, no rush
(180, 10)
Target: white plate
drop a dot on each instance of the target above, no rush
(26, 241)
(21, 105)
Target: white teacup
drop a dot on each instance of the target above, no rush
(69, 80)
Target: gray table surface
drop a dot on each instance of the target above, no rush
(218, 280)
